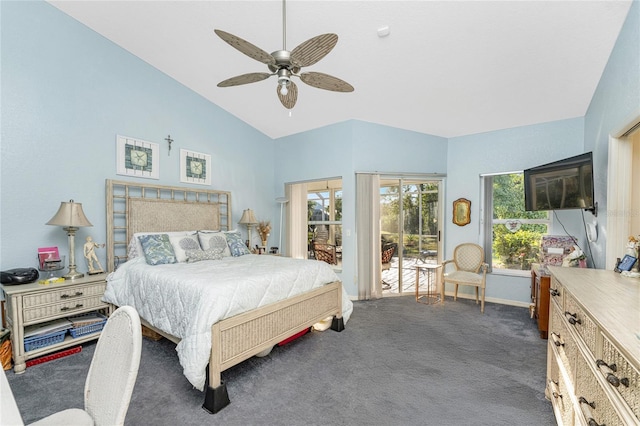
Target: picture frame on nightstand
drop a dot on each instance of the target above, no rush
(627, 263)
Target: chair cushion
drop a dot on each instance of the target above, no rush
(72, 416)
(464, 277)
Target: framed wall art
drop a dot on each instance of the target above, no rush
(195, 167)
(461, 212)
(137, 158)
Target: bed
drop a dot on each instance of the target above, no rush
(237, 332)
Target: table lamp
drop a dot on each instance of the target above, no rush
(71, 217)
(249, 219)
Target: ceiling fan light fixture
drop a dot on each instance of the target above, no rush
(284, 81)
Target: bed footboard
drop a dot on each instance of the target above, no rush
(238, 338)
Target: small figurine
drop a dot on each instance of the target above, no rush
(574, 257)
(90, 254)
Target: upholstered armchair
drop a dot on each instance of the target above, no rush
(466, 268)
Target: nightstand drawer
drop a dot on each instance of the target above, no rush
(63, 294)
(68, 307)
(625, 379)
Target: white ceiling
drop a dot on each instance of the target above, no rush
(448, 68)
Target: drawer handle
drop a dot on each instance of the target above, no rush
(586, 411)
(66, 296)
(608, 370)
(572, 318)
(554, 292)
(66, 308)
(556, 339)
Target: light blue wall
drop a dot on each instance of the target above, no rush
(343, 149)
(66, 93)
(615, 102)
(503, 151)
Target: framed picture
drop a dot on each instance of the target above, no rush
(627, 263)
(137, 158)
(195, 167)
(461, 212)
(47, 254)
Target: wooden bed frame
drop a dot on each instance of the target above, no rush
(140, 207)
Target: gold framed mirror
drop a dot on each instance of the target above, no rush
(461, 212)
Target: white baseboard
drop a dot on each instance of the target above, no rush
(492, 300)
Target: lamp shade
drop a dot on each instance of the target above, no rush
(248, 218)
(70, 214)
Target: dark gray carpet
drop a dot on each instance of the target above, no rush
(397, 363)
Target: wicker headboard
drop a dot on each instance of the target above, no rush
(140, 207)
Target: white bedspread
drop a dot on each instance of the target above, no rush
(185, 299)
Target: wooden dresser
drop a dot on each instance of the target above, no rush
(593, 354)
(540, 284)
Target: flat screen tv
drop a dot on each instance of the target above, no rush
(564, 184)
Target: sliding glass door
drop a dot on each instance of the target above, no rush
(410, 219)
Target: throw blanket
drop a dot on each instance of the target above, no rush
(186, 299)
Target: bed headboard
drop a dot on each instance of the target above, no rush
(141, 207)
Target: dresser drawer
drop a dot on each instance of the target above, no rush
(621, 375)
(65, 293)
(558, 393)
(581, 322)
(593, 402)
(556, 292)
(563, 340)
(67, 308)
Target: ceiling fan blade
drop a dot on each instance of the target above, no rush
(245, 47)
(312, 50)
(288, 100)
(326, 82)
(244, 79)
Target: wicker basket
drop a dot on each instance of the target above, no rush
(88, 329)
(37, 342)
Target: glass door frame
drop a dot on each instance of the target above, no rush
(402, 181)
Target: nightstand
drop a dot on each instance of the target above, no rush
(35, 303)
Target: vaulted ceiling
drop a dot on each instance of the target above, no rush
(446, 68)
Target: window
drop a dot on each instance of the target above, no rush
(324, 214)
(511, 234)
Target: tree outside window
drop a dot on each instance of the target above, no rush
(516, 233)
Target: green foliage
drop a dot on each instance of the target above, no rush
(508, 198)
(516, 250)
(519, 249)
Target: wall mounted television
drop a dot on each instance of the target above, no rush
(564, 184)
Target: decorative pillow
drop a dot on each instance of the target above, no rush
(132, 248)
(198, 255)
(183, 243)
(135, 248)
(214, 240)
(157, 249)
(236, 245)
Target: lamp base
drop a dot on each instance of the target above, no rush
(73, 274)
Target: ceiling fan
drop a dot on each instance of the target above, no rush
(287, 64)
